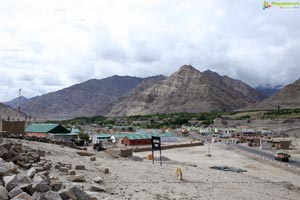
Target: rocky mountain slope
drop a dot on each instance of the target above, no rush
(90, 98)
(14, 102)
(7, 112)
(288, 97)
(188, 90)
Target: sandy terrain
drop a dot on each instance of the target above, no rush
(129, 179)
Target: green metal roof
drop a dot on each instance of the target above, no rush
(137, 136)
(46, 128)
(103, 135)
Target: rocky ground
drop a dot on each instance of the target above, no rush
(100, 176)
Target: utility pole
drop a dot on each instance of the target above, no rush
(19, 108)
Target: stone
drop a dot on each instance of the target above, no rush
(10, 182)
(15, 192)
(3, 152)
(66, 195)
(98, 179)
(63, 169)
(23, 180)
(23, 196)
(50, 195)
(44, 173)
(27, 188)
(39, 169)
(7, 168)
(72, 172)
(41, 187)
(80, 194)
(93, 158)
(41, 183)
(106, 171)
(80, 167)
(38, 196)
(56, 166)
(56, 186)
(3, 193)
(77, 178)
(95, 188)
(31, 172)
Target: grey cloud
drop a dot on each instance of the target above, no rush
(237, 39)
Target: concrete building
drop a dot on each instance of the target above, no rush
(16, 127)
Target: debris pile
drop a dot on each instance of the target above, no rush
(226, 168)
(24, 175)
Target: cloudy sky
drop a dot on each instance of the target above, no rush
(51, 44)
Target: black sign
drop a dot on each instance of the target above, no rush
(155, 143)
(156, 146)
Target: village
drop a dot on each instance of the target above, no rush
(109, 156)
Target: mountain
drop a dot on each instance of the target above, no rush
(288, 97)
(7, 112)
(14, 102)
(268, 90)
(90, 98)
(188, 90)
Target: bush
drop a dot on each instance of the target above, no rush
(84, 136)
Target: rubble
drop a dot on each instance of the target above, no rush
(226, 168)
(24, 175)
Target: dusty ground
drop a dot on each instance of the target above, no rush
(129, 179)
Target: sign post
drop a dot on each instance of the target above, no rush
(156, 145)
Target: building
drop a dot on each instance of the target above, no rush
(43, 130)
(137, 139)
(281, 144)
(16, 127)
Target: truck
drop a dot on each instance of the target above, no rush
(282, 156)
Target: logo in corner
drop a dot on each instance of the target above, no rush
(266, 5)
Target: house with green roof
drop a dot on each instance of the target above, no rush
(42, 130)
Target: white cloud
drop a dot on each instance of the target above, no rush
(47, 45)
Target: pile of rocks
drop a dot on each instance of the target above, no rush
(25, 157)
(17, 182)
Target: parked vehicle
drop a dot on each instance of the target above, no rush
(282, 156)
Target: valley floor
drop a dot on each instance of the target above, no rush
(130, 179)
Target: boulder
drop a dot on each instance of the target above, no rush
(41, 183)
(7, 168)
(40, 187)
(80, 194)
(66, 195)
(31, 172)
(10, 182)
(38, 196)
(15, 192)
(3, 193)
(3, 152)
(50, 195)
(56, 186)
(77, 178)
(23, 196)
(23, 180)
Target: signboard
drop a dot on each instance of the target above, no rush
(156, 146)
